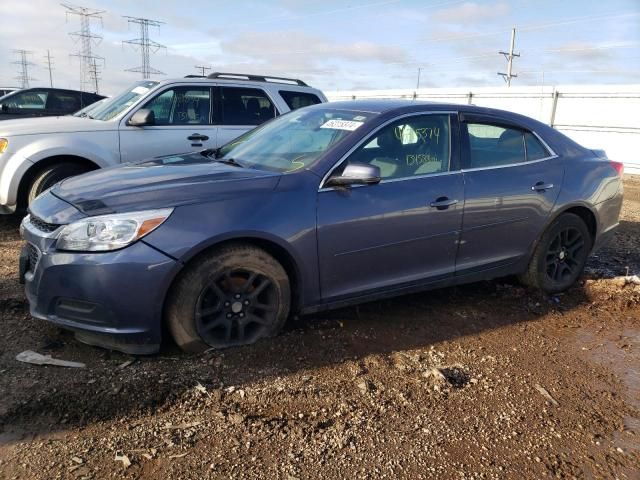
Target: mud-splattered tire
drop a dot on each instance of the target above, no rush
(560, 256)
(232, 296)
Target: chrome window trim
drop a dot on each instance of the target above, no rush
(322, 188)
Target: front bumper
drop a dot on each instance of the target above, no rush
(110, 299)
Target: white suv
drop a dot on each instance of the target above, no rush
(147, 120)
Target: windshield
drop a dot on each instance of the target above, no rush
(295, 140)
(86, 111)
(118, 104)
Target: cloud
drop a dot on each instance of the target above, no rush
(471, 13)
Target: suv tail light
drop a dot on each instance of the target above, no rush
(619, 166)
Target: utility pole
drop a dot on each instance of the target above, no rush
(510, 56)
(418, 84)
(87, 40)
(50, 68)
(202, 68)
(23, 64)
(146, 45)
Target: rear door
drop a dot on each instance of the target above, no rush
(512, 180)
(183, 123)
(403, 230)
(240, 110)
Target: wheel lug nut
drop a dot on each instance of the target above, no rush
(246, 302)
(237, 295)
(226, 304)
(229, 315)
(241, 314)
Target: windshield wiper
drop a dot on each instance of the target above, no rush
(229, 161)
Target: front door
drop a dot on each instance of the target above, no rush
(511, 184)
(403, 230)
(183, 123)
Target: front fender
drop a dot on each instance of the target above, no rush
(47, 146)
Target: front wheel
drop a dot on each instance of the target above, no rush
(560, 256)
(233, 296)
(49, 176)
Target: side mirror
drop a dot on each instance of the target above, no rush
(143, 117)
(355, 174)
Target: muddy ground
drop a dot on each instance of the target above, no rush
(483, 381)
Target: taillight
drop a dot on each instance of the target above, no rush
(619, 166)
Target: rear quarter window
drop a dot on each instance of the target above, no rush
(295, 100)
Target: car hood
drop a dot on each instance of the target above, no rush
(49, 125)
(163, 182)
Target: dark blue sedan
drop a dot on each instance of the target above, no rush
(326, 206)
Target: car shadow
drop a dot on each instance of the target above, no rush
(42, 400)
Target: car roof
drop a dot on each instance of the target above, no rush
(53, 89)
(239, 81)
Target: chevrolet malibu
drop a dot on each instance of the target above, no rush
(323, 207)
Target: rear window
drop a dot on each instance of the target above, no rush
(295, 100)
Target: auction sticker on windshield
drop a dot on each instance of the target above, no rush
(342, 125)
(140, 90)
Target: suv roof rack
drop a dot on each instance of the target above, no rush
(194, 76)
(257, 78)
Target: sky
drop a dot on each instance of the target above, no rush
(337, 44)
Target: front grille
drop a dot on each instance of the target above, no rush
(42, 225)
(34, 256)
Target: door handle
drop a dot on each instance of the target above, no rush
(542, 187)
(197, 136)
(442, 203)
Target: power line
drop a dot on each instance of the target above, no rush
(87, 39)
(202, 68)
(24, 64)
(146, 45)
(48, 58)
(510, 56)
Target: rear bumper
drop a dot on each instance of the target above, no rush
(112, 299)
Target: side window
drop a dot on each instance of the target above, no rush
(412, 146)
(491, 145)
(295, 100)
(535, 149)
(182, 106)
(63, 101)
(246, 106)
(32, 100)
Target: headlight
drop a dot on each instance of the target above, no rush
(4, 143)
(110, 232)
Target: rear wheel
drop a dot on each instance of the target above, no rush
(231, 297)
(49, 176)
(560, 255)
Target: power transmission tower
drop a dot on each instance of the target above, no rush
(146, 45)
(202, 68)
(510, 56)
(94, 73)
(87, 39)
(49, 67)
(24, 64)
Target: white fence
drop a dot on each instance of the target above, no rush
(596, 116)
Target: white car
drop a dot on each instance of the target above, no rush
(149, 119)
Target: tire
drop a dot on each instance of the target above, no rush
(49, 176)
(233, 296)
(560, 256)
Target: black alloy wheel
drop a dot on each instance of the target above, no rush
(564, 255)
(236, 307)
(233, 295)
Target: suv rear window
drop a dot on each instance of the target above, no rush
(295, 100)
(246, 106)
